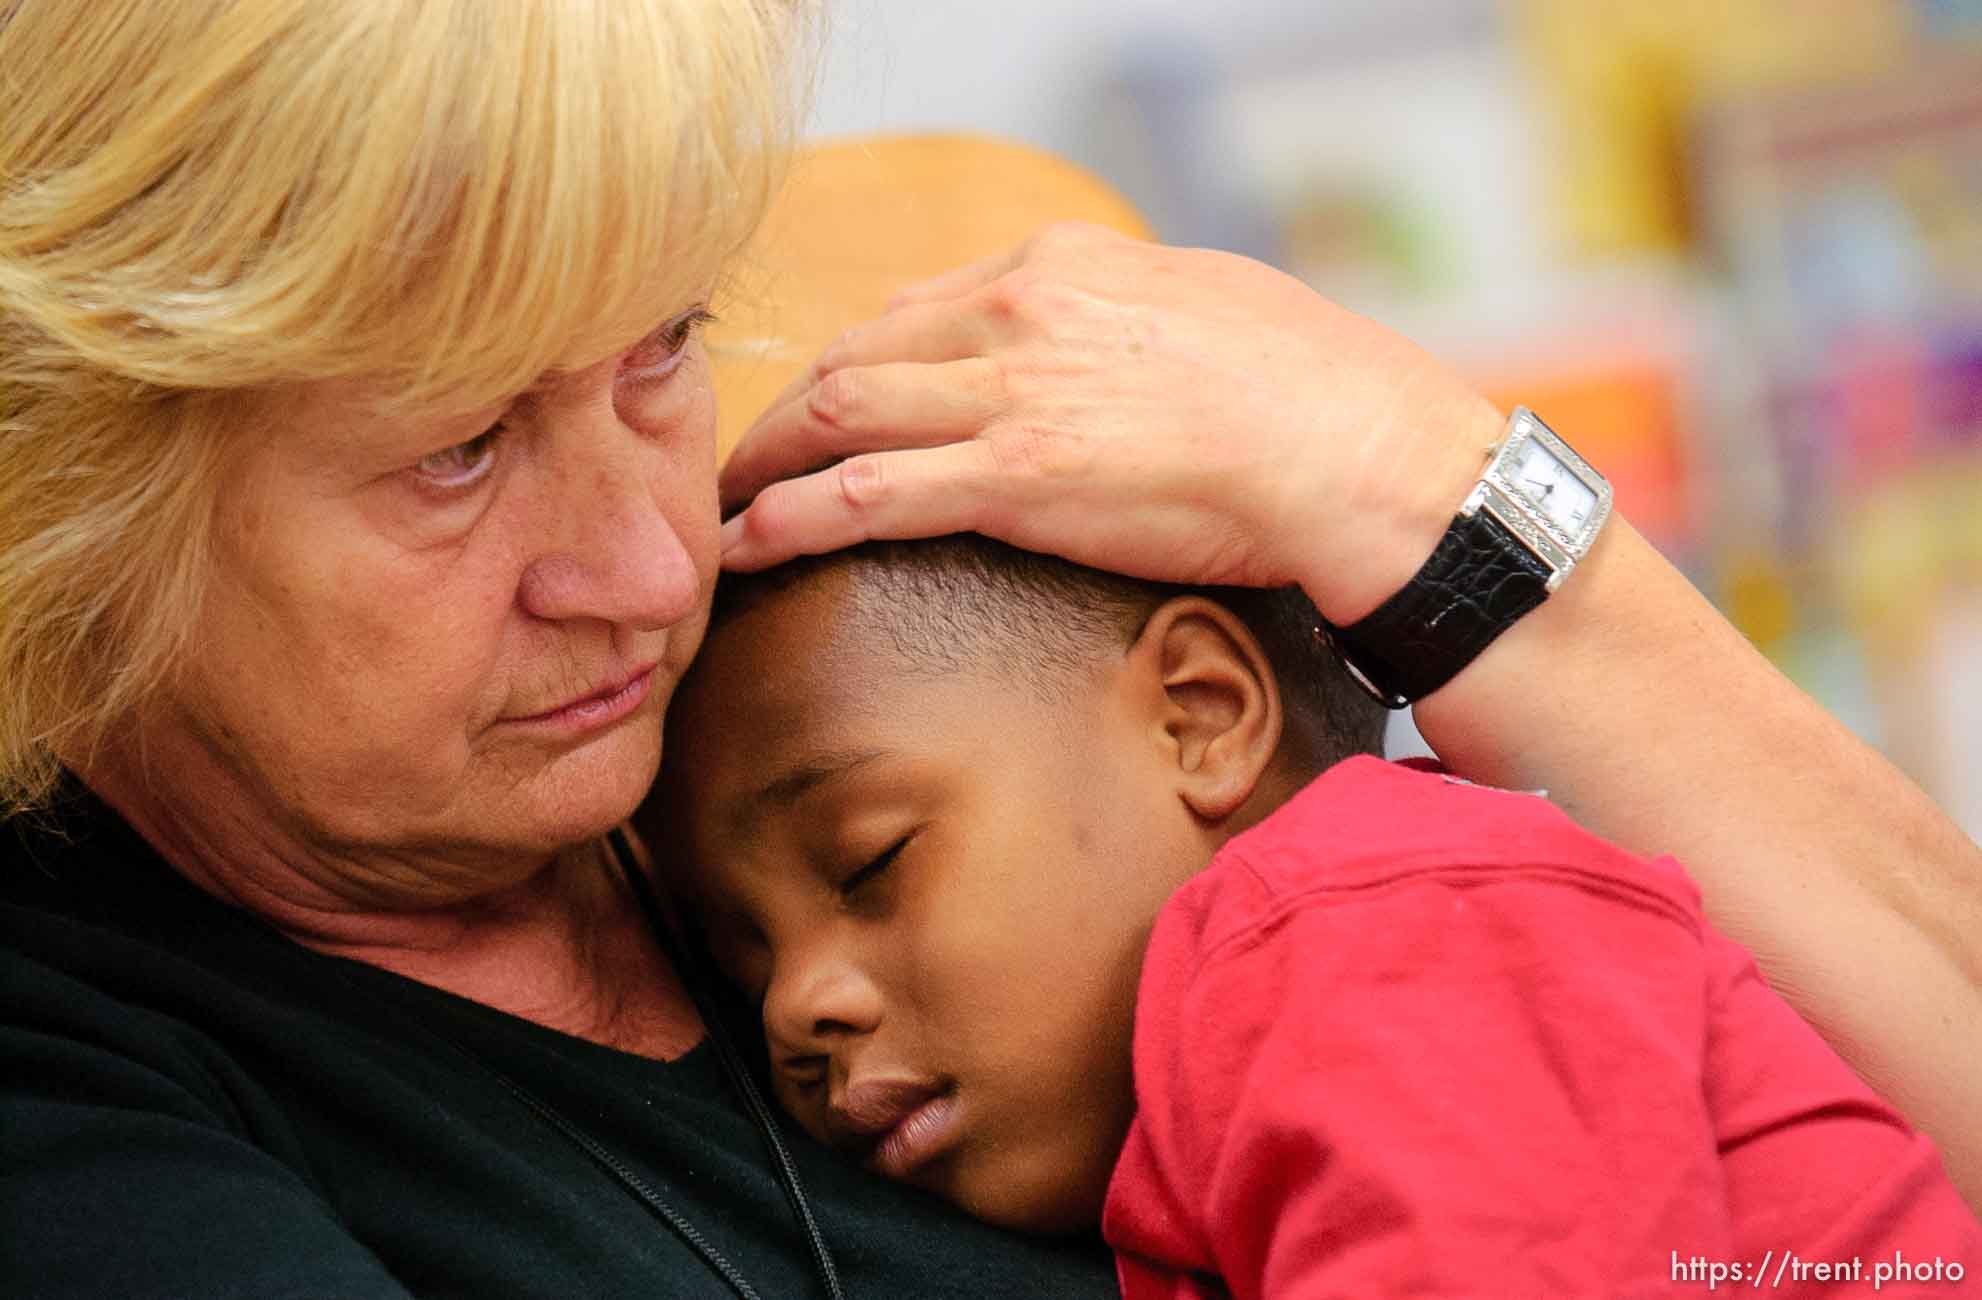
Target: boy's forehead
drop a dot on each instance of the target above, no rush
(863, 631)
(794, 694)
(799, 669)
(811, 623)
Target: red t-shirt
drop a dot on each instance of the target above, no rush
(1410, 1036)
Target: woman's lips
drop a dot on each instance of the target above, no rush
(604, 706)
(908, 1122)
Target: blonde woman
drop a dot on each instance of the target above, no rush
(358, 513)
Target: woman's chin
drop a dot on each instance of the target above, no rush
(583, 794)
(542, 803)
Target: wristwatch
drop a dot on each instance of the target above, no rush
(1534, 513)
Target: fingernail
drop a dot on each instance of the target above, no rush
(732, 533)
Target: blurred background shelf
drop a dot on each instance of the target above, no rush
(1733, 248)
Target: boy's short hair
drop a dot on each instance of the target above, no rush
(957, 602)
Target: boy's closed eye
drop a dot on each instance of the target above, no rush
(858, 884)
(744, 953)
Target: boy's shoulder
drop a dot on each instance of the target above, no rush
(1368, 827)
(1374, 810)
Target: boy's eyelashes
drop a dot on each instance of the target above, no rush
(873, 869)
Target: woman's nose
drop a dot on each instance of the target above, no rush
(616, 528)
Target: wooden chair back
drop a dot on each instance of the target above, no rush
(862, 217)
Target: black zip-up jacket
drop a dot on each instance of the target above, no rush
(193, 1106)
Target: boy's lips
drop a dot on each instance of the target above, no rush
(904, 1123)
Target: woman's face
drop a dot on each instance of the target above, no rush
(446, 644)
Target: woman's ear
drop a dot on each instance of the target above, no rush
(1216, 701)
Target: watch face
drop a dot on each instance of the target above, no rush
(1551, 487)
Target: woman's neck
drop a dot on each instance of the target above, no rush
(570, 949)
(565, 945)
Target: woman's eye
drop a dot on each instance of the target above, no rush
(871, 870)
(462, 465)
(661, 351)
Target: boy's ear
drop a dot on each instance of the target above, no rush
(1219, 707)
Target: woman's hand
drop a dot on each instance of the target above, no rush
(1176, 414)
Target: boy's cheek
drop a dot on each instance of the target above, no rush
(804, 1105)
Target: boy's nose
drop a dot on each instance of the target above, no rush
(814, 1014)
(817, 1007)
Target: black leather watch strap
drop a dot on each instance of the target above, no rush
(1478, 581)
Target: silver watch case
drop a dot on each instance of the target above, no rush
(1496, 494)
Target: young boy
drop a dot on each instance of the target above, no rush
(981, 827)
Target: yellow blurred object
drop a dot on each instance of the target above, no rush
(1755, 595)
(1902, 546)
(1622, 80)
(860, 219)
(1909, 569)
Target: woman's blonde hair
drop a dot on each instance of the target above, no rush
(204, 199)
